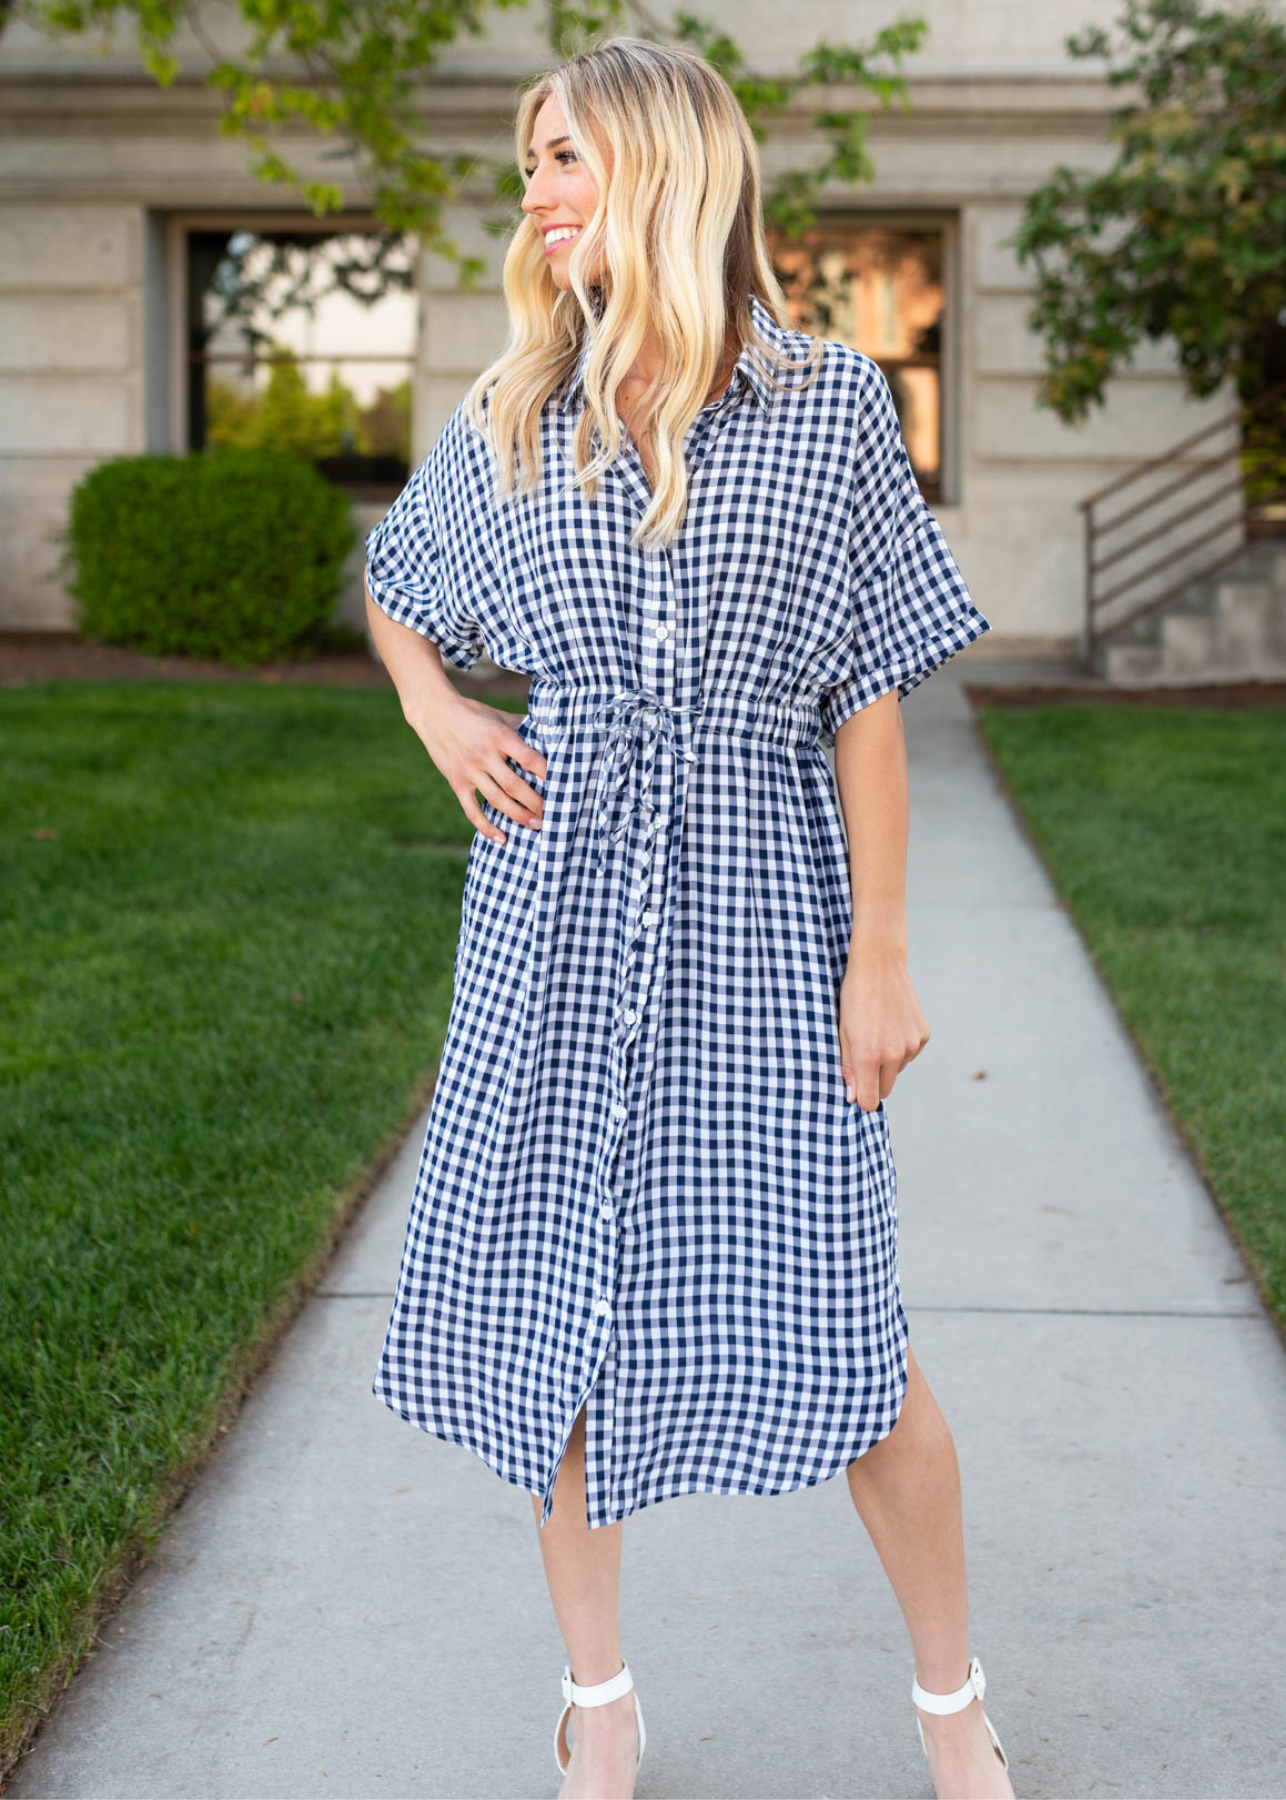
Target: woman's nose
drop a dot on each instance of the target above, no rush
(532, 200)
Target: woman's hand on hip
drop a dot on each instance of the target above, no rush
(469, 742)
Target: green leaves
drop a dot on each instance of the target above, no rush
(354, 72)
(1185, 236)
(790, 203)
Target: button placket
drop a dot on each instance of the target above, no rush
(627, 1023)
(657, 676)
(657, 777)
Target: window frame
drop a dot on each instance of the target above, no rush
(178, 225)
(837, 219)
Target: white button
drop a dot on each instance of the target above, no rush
(618, 1111)
(649, 918)
(630, 1017)
(606, 1213)
(602, 1308)
(651, 826)
(662, 632)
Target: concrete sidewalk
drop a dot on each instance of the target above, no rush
(345, 1607)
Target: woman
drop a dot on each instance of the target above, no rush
(653, 1245)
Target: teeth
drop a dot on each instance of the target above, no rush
(560, 232)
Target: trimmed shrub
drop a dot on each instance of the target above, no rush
(234, 554)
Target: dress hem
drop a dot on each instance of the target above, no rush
(686, 1487)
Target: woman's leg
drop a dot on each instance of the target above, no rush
(906, 1489)
(583, 1570)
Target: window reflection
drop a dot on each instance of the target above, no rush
(305, 341)
(880, 289)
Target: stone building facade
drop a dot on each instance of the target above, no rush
(104, 178)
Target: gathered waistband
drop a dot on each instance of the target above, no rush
(562, 705)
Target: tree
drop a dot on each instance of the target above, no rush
(258, 277)
(384, 424)
(286, 416)
(357, 71)
(1184, 237)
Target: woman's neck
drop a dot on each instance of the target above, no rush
(648, 363)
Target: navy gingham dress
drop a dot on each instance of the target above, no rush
(643, 1189)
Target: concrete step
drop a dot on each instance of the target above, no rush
(1131, 665)
(1245, 625)
(1229, 626)
(1189, 645)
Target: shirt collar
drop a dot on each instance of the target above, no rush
(747, 369)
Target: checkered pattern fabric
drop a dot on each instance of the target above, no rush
(643, 1189)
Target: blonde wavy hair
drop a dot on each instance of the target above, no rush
(679, 222)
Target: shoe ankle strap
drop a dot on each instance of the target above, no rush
(954, 1702)
(597, 1693)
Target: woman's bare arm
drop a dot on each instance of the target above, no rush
(467, 739)
(881, 1026)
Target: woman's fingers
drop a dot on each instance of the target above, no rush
(520, 751)
(502, 784)
(518, 801)
(476, 817)
(870, 1072)
(506, 789)
(864, 1082)
(474, 746)
(521, 801)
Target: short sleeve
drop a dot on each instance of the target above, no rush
(910, 606)
(407, 572)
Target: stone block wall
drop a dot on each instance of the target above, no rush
(71, 389)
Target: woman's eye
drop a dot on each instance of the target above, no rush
(569, 155)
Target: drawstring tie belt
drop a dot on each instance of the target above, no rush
(636, 719)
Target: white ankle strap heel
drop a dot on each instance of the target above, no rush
(956, 1702)
(597, 1694)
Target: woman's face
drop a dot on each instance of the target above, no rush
(561, 194)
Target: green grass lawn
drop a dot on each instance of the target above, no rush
(1165, 830)
(229, 916)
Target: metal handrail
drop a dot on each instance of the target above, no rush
(1099, 528)
(1207, 466)
(1175, 450)
(1149, 537)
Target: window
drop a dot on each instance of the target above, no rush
(304, 341)
(880, 286)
